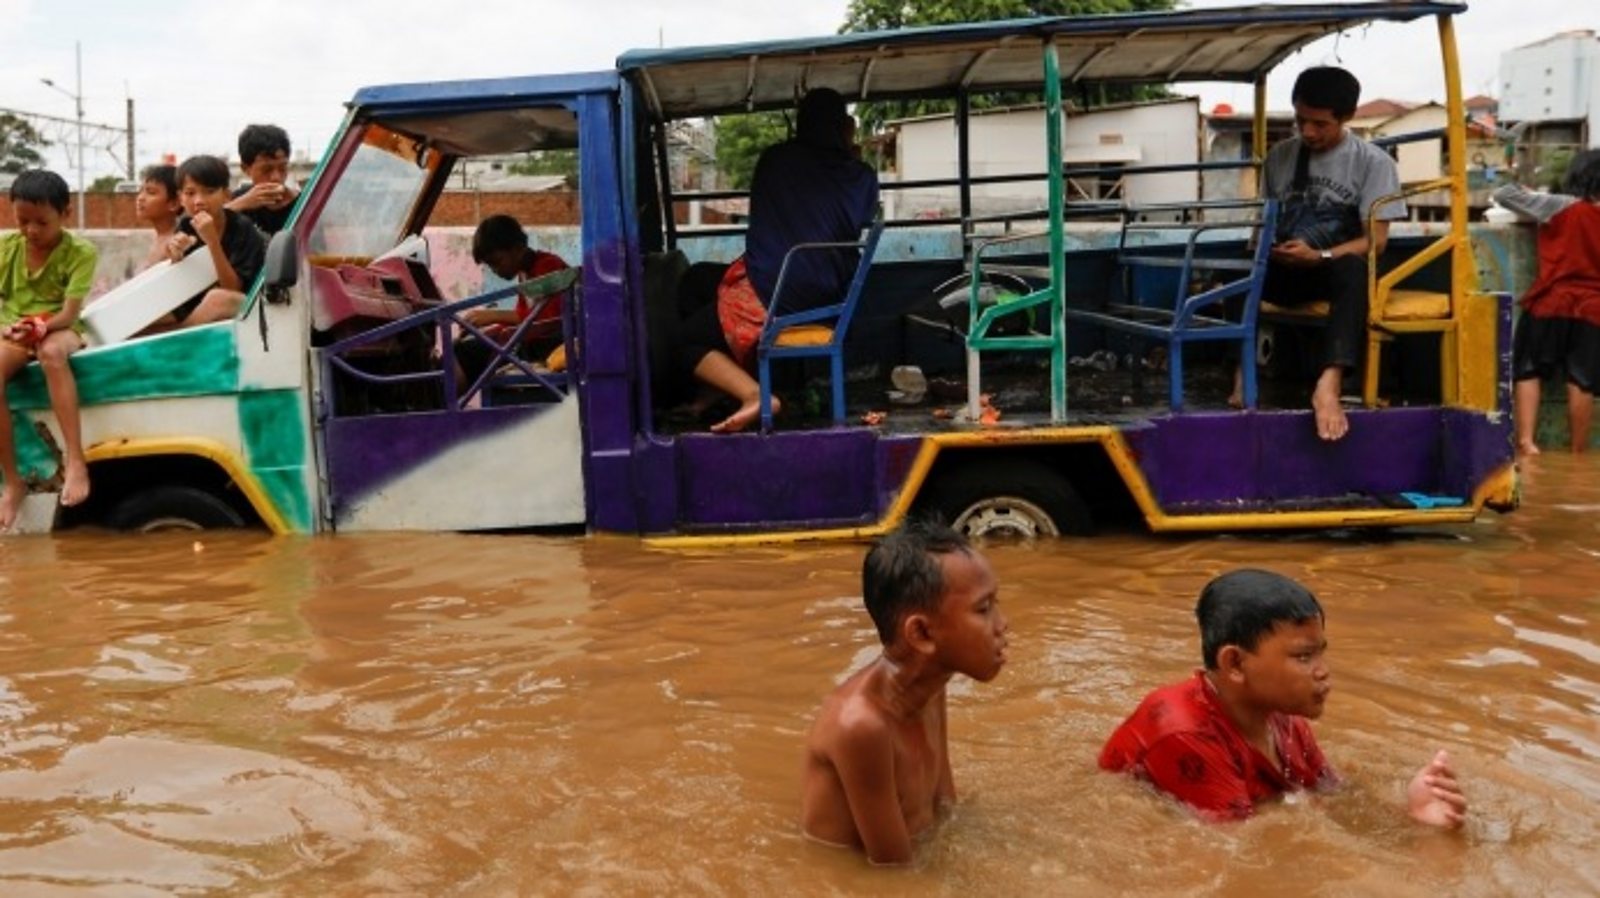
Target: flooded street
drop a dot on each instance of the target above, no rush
(460, 715)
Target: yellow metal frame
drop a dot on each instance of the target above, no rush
(211, 451)
(1498, 490)
(1381, 329)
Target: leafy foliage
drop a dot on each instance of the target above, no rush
(740, 140)
(20, 144)
(105, 184)
(877, 15)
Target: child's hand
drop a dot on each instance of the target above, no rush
(30, 331)
(1434, 797)
(178, 246)
(267, 195)
(205, 226)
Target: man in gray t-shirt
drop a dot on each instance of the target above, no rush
(1326, 180)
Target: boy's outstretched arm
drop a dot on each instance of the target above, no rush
(864, 759)
(1434, 797)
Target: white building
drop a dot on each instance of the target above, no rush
(1556, 79)
(1011, 142)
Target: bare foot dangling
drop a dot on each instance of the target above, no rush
(10, 503)
(75, 484)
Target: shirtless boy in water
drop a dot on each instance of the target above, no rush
(877, 765)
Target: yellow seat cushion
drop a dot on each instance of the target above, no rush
(805, 335)
(1403, 305)
(1416, 305)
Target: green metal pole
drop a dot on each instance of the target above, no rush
(1058, 282)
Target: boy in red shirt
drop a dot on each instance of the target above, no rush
(502, 246)
(1237, 733)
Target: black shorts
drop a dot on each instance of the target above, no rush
(1544, 347)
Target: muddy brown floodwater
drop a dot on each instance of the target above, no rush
(459, 715)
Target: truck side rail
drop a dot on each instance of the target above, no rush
(448, 317)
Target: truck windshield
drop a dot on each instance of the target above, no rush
(374, 196)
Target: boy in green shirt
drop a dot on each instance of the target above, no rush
(45, 275)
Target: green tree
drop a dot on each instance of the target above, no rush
(740, 140)
(20, 144)
(880, 15)
(105, 184)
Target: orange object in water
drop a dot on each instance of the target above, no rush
(988, 415)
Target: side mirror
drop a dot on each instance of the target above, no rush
(282, 267)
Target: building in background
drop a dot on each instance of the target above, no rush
(1550, 96)
(1096, 142)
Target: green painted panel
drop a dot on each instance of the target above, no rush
(35, 459)
(197, 362)
(274, 436)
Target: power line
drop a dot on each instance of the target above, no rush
(96, 137)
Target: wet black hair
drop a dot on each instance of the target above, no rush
(258, 140)
(497, 232)
(822, 119)
(40, 185)
(902, 572)
(165, 175)
(1327, 87)
(208, 171)
(1583, 176)
(1240, 607)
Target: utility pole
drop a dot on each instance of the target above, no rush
(77, 100)
(131, 174)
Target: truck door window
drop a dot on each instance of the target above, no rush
(374, 197)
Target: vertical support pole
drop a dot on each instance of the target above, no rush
(1258, 135)
(1463, 266)
(1058, 261)
(133, 165)
(1455, 151)
(83, 194)
(668, 207)
(964, 166)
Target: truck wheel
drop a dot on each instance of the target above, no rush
(164, 508)
(1014, 499)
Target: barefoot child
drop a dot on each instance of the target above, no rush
(877, 763)
(1237, 733)
(1559, 329)
(45, 274)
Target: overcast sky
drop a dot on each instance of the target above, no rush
(198, 70)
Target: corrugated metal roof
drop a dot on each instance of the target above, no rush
(1233, 44)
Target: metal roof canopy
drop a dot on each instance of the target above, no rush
(1233, 44)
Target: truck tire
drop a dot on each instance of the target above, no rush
(1014, 498)
(164, 508)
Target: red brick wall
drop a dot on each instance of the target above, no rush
(466, 209)
(112, 211)
(115, 210)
